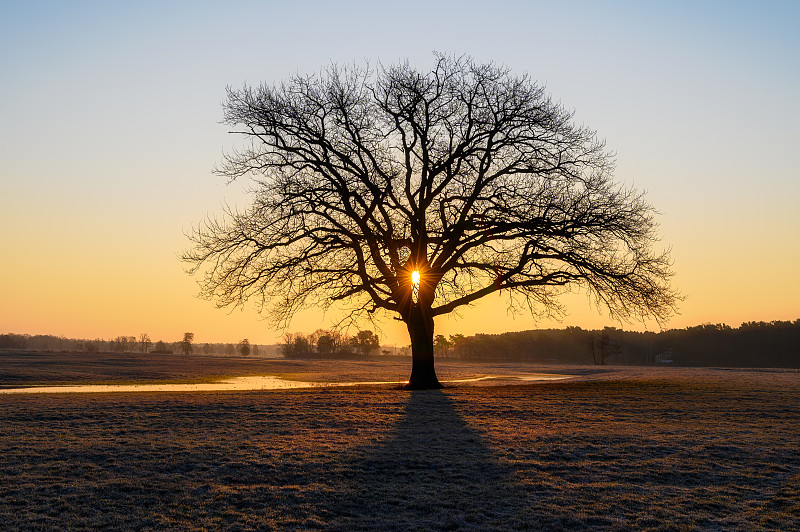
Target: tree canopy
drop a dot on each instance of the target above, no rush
(466, 174)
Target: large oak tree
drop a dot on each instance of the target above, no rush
(416, 192)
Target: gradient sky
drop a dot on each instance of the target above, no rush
(109, 129)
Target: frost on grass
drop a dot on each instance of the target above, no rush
(696, 449)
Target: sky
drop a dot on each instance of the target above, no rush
(110, 128)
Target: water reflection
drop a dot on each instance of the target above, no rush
(253, 383)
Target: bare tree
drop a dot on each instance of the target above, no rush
(416, 192)
(144, 342)
(602, 346)
(295, 346)
(122, 344)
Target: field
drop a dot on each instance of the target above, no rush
(614, 448)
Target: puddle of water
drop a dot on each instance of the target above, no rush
(526, 377)
(249, 384)
(235, 384)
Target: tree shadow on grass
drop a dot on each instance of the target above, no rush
(235, 462)
(433, 472)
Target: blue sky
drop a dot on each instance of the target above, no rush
(109, 129)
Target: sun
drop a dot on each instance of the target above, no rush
(415, 277)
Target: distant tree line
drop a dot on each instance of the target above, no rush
(330, 344)
(134, 344)
(753, 344)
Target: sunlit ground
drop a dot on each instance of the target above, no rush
(23, 369)
(260, 382)
(620, 448)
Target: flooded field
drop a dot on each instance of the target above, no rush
(80, 372)
(262, 382)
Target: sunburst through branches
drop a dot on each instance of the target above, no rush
(415, 279)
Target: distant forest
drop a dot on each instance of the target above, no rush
(132, 344)
(753, 344)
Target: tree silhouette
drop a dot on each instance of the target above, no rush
(186, 343)
(244, 348)
(441, 344)
(161, 348)
(144, 342)
(366, 342)
(413, 193)
(602, 346)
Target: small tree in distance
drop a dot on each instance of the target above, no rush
(441, 344)
(186, 343)
(161, 348)
(602, 346)
(413, 193)
(366, 342)
(144, 342)
(244, 348)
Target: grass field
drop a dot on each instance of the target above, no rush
(621, 448)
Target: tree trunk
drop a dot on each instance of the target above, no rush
(420, 329)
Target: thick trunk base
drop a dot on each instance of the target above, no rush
(420, 329)
(423, 376)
